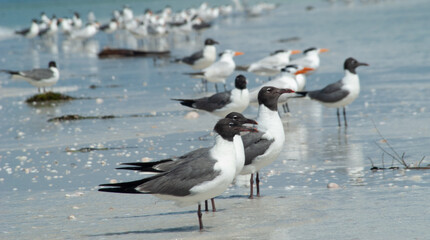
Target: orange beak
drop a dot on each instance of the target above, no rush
(295, 52)
(238, 53)
(323, 50)
(303, 71)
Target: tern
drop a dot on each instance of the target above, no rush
(219, 70)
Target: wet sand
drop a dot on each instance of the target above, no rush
(50, 192)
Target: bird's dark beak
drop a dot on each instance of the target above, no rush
(248, 129)
(362, 64)
(215, 42)
(285, 90)
(251, 121)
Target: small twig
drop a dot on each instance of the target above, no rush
(383, 163)
(371, 161)
(391, 155)
(385, 140)
(403, 160)
(421, 161)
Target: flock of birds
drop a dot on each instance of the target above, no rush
(205, 173)
(149, 24)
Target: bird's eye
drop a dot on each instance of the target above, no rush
(235, 117)
(269, 89)
(231, 124)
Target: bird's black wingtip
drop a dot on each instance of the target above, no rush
(129, 168)
(120, 190)
(300, 94)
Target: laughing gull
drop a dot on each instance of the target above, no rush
(310, 59)
(202, 177)
(271, 65)
(39, 77)
(203, 58)
(264, 147)
(219, 70)
(170, 163)
(220, 104)
(287, 79)
(30, 32)
(340, 93)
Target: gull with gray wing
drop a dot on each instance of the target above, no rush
(340, 93)
(202, 177)
(264, 147)
(170, 163)
(203, 58)
(39, 77)
(220, 104)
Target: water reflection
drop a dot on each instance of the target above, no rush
(346, 154)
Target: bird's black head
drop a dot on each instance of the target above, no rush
(240, 118)
(228, 128)
(210, 41)
(77, 14)
(288, 67)
(309, 50)
(277, 51)
(34, 20)
(240, 82)
(269, 96)
(351, 64)
(52, 64)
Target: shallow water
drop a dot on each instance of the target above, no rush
(49, 192)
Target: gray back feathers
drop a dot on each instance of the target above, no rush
(331, 93)
(179, 180)
(255, 145)
(37, 74)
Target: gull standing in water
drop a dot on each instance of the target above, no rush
(30, 32)
(39, 77)
(220, 104)
(202, 177)
(219, 70)
(264, 147)
(341, 93)
(170, 163)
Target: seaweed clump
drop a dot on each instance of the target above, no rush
(49, 96)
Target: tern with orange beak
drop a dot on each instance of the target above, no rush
(311, 58)
(219, 70)
(287, 79)
(271, 65)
